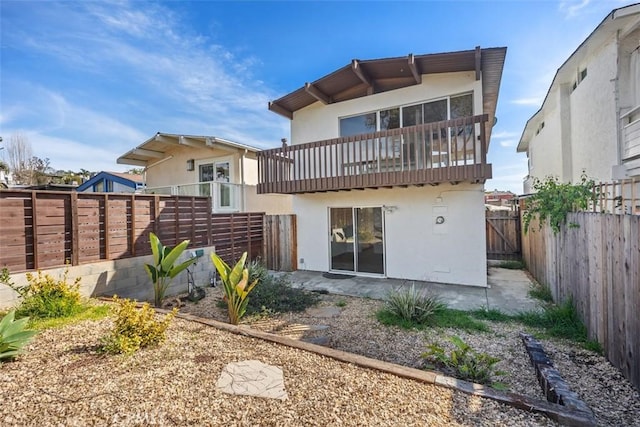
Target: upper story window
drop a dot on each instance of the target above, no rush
(447, 108)
(582, 74)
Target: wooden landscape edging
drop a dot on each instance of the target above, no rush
(555, 412)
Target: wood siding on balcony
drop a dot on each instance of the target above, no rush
(433, 153)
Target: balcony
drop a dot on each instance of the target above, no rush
(451, 151)
(225, 196)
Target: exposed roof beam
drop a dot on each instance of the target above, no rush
(317, 93)
(358, 71)
(165, 139)
(147, 153)
(478, 62)
(280, 110)
(126, 161)
(417, 76)
(184, 140)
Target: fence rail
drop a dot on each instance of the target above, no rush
(44, 229)
(596, 263)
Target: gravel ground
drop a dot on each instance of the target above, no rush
(612, 398)
(61, 380)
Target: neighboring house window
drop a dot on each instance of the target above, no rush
(634, 72)
(99, 187)
(218, 172)
(409, 115)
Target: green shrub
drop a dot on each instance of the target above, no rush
(46, 297)
(541, 292)
(257, 271)
(164, 269)
(236, 286)
(135, 328)
(413, 306)
(560, 321)
(275, 295)
(13, 336)
(463, 362)
(512, 265)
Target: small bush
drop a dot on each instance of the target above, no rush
(134, 328)
(13, 336)
(275, 295)
(257, 271)
(541, 292)
(463, 362)
(412, 305)
(46, 297)
(512, 265)
(560, 321)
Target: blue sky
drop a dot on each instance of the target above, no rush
(87, 81)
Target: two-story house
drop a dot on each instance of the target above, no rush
(190, 165)
(590, 119)
(387, 165)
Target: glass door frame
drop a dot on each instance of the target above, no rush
(355, 241)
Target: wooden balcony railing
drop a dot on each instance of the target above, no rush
(448, 151)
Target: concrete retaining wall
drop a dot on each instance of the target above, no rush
(125, 277)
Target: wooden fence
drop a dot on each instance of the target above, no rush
(44, 229)
(597, 263)
(621, 197)
(503, 235)
(280, 243)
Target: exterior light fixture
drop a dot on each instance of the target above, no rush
(190, 165)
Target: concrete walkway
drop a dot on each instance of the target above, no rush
(507, 291)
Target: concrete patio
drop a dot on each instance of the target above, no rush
(507, 290)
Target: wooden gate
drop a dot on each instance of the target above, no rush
(503, 235)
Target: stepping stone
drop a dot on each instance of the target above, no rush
(325, 312)
(252, 378)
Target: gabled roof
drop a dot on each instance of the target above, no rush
(156, 147)
(625, 19)
(128, 179)
(368, 77)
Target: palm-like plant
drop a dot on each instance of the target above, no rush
(236, 286)
(163, 270)
(13, 335)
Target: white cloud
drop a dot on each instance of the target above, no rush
(508, 143)
(572, 8)
(535, 101)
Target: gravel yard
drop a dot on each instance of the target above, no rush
(612, 398)
(61, 380)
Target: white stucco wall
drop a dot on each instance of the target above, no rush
(415, 247)
(174, 170)
(593, 116)
(318, 121)
(545, 148)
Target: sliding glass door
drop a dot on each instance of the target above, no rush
(357, 240)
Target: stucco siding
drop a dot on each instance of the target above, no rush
(174, 170)
(545, 148)
(317, 121)
(593, 117)
(416, 248)
(271, 204)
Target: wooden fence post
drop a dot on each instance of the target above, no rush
(75, 233)
(34, 228)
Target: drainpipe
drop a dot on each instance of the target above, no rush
(244, 190)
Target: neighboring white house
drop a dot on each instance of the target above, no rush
(204, 166)
(387, 166)
(590, 118)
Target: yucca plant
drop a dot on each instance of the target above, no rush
(163, 270)
(413, 306)
(236, 286)
(13, 335)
